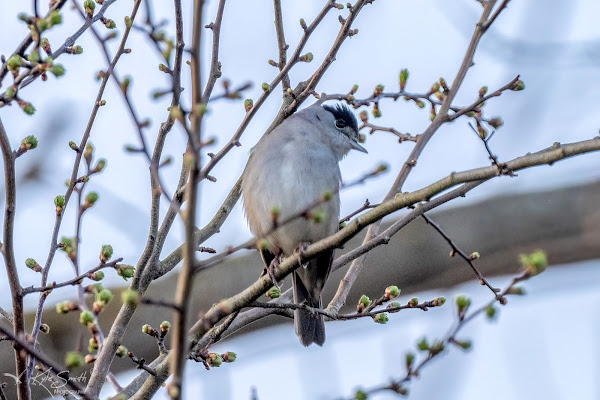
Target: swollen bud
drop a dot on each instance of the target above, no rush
(33, 265)
(248, 104)
(229, 357)
(130, 297)
(381, 318)
(164, 327)
(125, 271)
(273, 293)
(106, 253)
(423, 345)
(462, 304)
(483, 91)
(74, 359)
(86, 317)
(391, 292)
(121, 351)
(534, 263)
(403, 78)
(518, 85)
(90, 199)
(97, 276)
(363, 303)
(214, 360)
(88, 7)
(496, 122)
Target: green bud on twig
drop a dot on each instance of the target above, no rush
(391, 292)
(423, 345)
(229, 357)
(86, 317)
(363, 303)
(518, 85)
(273, 293)
(130, 297)
(106, 253)
(121, 351)
(88, 7)
(33, 265)
(381, 318)
(214, 360)
(125, 271)
(74, 359)
(534, 263)
(403, 78)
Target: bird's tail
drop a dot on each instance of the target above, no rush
(309, 327)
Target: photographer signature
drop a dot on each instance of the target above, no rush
(54, 385)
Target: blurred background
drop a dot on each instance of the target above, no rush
(541, 346)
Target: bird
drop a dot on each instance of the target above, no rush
(288, 170)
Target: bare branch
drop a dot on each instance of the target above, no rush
(16, 291)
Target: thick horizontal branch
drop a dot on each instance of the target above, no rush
(549, 156)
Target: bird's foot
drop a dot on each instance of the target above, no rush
(300, 251)
(270, 270)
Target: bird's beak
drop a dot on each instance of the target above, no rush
(358, 147)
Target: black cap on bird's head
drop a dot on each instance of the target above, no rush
(342, 112)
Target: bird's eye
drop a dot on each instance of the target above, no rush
(340, 123)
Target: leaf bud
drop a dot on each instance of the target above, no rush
(74, 359)
(86, 317)
(214, 360)
(273, 292)
(403, 78)
(363, 303)
(381, 318)
(106, 253)
(229, 357)
(121, 351)
(391, 292)
(483, 91)
(130, 297)
(125, 271)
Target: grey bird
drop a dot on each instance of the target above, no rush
(288, 170)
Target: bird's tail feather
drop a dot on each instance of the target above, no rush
(309, 327)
